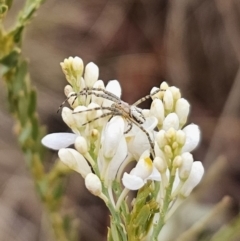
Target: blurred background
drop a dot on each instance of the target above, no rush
(194, 45)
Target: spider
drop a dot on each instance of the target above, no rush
(131, 113)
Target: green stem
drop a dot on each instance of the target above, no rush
(167, 199)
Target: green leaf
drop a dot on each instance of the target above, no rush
(10, 61)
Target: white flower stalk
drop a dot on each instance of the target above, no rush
(110, 133)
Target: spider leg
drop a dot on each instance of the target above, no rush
(96, 108)
(63, 103)
(147, 134)
(106, 94)
(102, 116)
(129, 126)
(146, 97)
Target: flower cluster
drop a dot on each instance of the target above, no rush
(108, 134)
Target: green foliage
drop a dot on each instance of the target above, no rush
(22, 102)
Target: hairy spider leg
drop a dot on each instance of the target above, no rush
(146, 133)
(102, 116)
(146, 97)
(63, 103)
(129, 125)
(96, 108)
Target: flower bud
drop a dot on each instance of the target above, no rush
(177, 161)
(91, 74)
(175, 92)
(182, 110)
(80, 115)
(160, 164)
(161, 138)
(68, 89)
(185, 169)
(180, 137)
(156, 91)
(157, 110)
(68, 117)
(171, 120)
(168, 100)
(81, 145)
(74, 160)
(192, 133)
(164, 86)
(77, 66)
(93, 184)
(99, 85)
(193, 179)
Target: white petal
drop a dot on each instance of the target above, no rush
(171, 120)
(192, 137)
(118, 159)
(74, 160)
(144, 168)
(193, 179)
(57, 141)
(132, 182)
(155, 175)
(112, 136)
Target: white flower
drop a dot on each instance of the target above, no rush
(139, 175)
(91, 74)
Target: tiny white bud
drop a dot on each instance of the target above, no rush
(68, 89)
(180, 137)
(157, 110)
(72, 100)
(171, 120)
(161, 139)
(77, 66)
(93, 114)
(185, 169)
(98, 85)
(164, 86)
(81, 145)
(80, 115)
(175, 92)
(156, 91)
(168, 151)
(170, 134)
(168, 100)
(91, 74)
(93, 184)
(68, 117)
(194, 178)
(177, 161)
(160, 164)
(182, 110)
